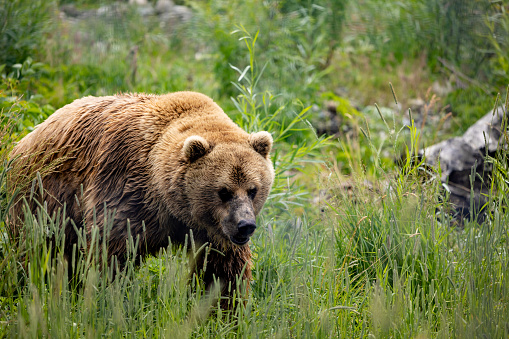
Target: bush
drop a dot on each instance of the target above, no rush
(19, 104)
(23, 25)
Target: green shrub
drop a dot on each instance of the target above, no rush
(19, 104)
(23, 25)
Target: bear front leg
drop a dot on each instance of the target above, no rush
(231, 268)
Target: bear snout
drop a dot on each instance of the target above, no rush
(245, 229)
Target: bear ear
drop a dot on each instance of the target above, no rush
(261, 142)
(195, 147)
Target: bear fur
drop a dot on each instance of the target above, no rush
(166, 164)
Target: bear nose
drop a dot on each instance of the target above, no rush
(246, 227)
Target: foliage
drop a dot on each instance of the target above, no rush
(18, 102)
(452, 30)
(23, 24)
(300, 38)
(498, 35)
(468, 106)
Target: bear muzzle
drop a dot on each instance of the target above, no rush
(245, 229)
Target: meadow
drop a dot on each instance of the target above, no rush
(357, 238)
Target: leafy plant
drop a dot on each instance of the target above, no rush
(18, 102)
(23, 24)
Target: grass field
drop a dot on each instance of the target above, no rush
(350, 244)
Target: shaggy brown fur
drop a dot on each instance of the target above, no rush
(175, 162)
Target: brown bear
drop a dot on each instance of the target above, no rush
(166, 164)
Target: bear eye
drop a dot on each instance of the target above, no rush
(252, 193)
(225, 195)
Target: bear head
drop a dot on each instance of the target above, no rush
(226, 185)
